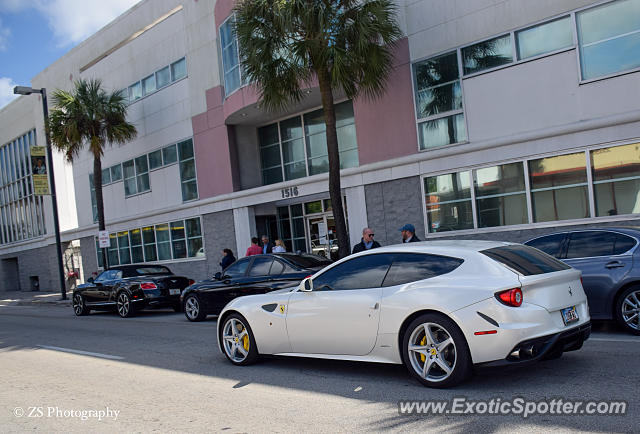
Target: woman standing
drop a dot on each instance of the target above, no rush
(279, 248)
(227, 258)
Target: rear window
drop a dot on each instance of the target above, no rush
(307, 261)
(411, 267)
(142, 271)
(525, 260)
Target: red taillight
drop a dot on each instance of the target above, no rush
(191, 282)
(581, 282)
(148, 285)
(510, 297)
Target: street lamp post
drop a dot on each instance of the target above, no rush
(23, 90)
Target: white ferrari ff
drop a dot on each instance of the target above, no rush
(439, 307)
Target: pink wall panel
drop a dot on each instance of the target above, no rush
(386, 127)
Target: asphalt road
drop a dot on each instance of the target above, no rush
(161, 373)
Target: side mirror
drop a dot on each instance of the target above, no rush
(217, 276)
(90, 280)
(307, 285)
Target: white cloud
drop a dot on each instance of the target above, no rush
(72, 21)
(4, 37)
(6, 91)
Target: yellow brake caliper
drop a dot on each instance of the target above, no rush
(423, 358)
(245, 339)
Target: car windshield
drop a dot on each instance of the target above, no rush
(525, 260)
(307, 261)
(142, 271)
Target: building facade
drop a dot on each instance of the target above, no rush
(501, 120)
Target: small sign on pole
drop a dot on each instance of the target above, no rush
(39, 171)
(103, 239)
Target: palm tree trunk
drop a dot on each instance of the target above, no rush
(335, 194)
(97, 184)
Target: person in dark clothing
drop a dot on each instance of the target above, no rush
(267, 246)
(366, 243)
(227, 258)
(409, 234)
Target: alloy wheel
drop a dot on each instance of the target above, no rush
(631, 310)
(192, 308)
(236, 340)
(124, 305)
(78, 304)
(432, 352)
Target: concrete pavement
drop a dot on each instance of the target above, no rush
(25, 298)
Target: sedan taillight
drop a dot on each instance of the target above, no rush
(510, 297)
(148, 285)
(191, 282)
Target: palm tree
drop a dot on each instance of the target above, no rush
(89, 116)
(344, 44)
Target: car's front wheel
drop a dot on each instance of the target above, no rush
(238, 341)
(628, 310)
(79, 306)
(193, 309)
(435, 351)
(124, 306)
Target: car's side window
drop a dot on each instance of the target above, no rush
(276, 268)
(103, 276)
(261, 266)
(117, 274)
(238, 268)
(590, 243)
(411, 267)
(358, 273)
(623, 244)
(551, 244)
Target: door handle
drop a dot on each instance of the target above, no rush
(614, 264)
(375, 306)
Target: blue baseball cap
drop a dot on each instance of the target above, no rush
(408, 227)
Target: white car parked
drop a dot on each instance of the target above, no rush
(439, 307)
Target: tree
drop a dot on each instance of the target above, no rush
(89, 116)
(343, 44)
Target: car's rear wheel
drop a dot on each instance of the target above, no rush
(124, 306)
(193, 309)
(238, 341)
(628, 310)
(435, 351)
(79, 306)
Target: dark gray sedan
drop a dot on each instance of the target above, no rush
(609, 259)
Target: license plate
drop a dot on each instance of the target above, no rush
(569, 315)
(174, 291)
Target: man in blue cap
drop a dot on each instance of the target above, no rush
(409, 234)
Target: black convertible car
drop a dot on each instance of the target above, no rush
(129, 288)
(257, 274)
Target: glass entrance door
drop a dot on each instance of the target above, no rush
(322, 236)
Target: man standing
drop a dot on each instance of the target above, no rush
(366, 243)
(267, 246)
(254, 248)
(408, 232)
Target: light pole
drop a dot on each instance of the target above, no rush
(23, 90)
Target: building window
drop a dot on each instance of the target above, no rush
(439, 101)
(135, 91)
(155, 159)
(544, 38)
(136, 176)
(297, 147)
(116, 172)
(169, 155)
(21, 211)
(487, 55)
(156, 81)
(187, 170)
(149, 84)
(230, 56)
(94, 201)
(179, 69)
(163, 77)
(449, 202)
(500, 195)
(616, 179)
(178, 239)
(609, 38)
(559, 187)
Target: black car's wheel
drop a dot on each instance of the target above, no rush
(79, 306)
(435, 351)
(238, 341)
(193, 309)
(124, 306)
(628, 310)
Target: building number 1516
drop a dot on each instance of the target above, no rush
(289, 192)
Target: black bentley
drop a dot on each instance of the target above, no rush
(129, 288)
(257, 274)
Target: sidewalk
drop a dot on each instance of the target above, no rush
(24, 298)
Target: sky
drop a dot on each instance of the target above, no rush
(35, 33)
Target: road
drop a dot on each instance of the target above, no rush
(162, 373)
